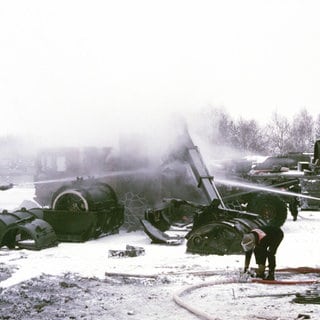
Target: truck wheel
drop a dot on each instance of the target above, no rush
(270, 207)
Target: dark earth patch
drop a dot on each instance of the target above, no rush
(73, 297)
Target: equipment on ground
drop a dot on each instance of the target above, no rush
(214, 217)
(216, 229)
(81, 210)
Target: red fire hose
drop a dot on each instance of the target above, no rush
(206, 316)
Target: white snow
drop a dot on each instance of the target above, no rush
(300, 247)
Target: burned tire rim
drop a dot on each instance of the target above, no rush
(72, 200)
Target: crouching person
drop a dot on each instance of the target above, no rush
(264, 243)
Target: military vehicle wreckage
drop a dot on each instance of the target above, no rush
(296, 172)
(83, 211)
(126, 195)
(217, 227)
(302, 177)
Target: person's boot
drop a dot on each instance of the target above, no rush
(260, 271)
(270, 275)
(272, 267)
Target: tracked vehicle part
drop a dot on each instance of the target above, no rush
(172, 212)
(83, 210)
(222, 236)
(21, 229)
(157, 236)
(216, 228)
(158, 218)
(215, 238)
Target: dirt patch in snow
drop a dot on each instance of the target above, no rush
(74, 297)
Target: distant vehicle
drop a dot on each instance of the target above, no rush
(295, 172)
(290, 161)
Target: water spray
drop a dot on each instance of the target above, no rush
(264, 188)
(105, 175)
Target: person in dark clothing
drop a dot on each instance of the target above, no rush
(294, 201)
(263, 242)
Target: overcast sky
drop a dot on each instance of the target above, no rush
(97, 65)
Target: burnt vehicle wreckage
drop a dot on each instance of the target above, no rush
(213, 221)
(85, 210)
(217, 227)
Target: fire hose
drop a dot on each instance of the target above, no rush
(201, 314)
(204, 315)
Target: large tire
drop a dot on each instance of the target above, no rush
(86, 195)
(270, 207)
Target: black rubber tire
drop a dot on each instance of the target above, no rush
(270, 207)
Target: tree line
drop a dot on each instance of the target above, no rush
(278, 136)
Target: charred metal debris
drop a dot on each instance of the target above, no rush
(80, 211)
(211, 228)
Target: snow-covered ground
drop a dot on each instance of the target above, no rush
(300, 247)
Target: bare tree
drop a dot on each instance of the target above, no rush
(278, 134)
(249, 137)
(302, 132)
(317, 128)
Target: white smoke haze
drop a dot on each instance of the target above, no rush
(150, 138)
(78, 73)
(154, 130)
